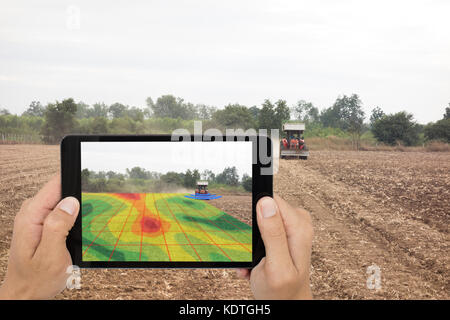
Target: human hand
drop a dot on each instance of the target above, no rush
(38, 257)
(287, 234)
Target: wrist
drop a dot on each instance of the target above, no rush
(305, 292)
(4, 292)
(8, 292)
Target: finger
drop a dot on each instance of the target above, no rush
(45, 200)
(298, 228)
(28, 222)
(58, 224)
(273, 233)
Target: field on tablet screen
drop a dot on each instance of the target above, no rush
(160, 227)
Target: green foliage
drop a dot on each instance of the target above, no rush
(99, 126)
(318, 130)
(229, 176)
(377, 114)
(273, 116)
(59, 120)
(447, 113)
(343, 119)
(191, 178)
(234, 116)
(440, 130)
(4, 112)
(20, 124)
(247, 183)
(169, 106)
(306, 112)
(394, 128)
(117, 110)
(346, 113)
(34, 110)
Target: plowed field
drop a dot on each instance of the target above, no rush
(389, 209)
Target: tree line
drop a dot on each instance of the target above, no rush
(138, 179)
(168, 113)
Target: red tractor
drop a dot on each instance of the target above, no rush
(292, 144)
(202, 187)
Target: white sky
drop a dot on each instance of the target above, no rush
(394, 54)
(167, 156)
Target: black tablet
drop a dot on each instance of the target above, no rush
(162, 201)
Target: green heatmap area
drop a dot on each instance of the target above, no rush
(160, 227)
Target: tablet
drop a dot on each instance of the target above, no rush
(159, 201)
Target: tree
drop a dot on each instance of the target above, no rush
(447, 112)
(395, 128)
(353, 118)
(282, 114)
(117, 110)
(228, 176)
(273, 116)
(135, 113)
(173, 178)
(330, 117)
(191, 178)
(148, 112)
(266, 115)
(440, 130)
(306, 112)
(82, 110)
(98, 109)
(4, 112)
(234, 116)
(377, 114)
(59, 120)
(99, 126)
(247, 182)
(205, 112)
(85, 180)
(168, 106)
(138, 173)
(34, 110)
(208, 175)
(255, 113)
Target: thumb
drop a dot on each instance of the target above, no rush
(273, 233)
(58, 224)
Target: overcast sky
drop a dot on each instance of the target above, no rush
(163, 157)
(394, 54)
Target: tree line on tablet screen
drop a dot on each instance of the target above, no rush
(140, 180)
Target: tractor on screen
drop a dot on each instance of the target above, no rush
(202, 193)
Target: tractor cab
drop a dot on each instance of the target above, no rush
(202, 187)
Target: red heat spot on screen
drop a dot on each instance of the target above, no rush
(150, 225)
(129, 196)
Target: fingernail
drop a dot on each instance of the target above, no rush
(69, 205)
(268, 207)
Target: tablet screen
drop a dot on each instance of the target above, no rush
(165, 201)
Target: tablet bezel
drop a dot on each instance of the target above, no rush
(71, 186)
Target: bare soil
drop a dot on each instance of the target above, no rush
(390, 209)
